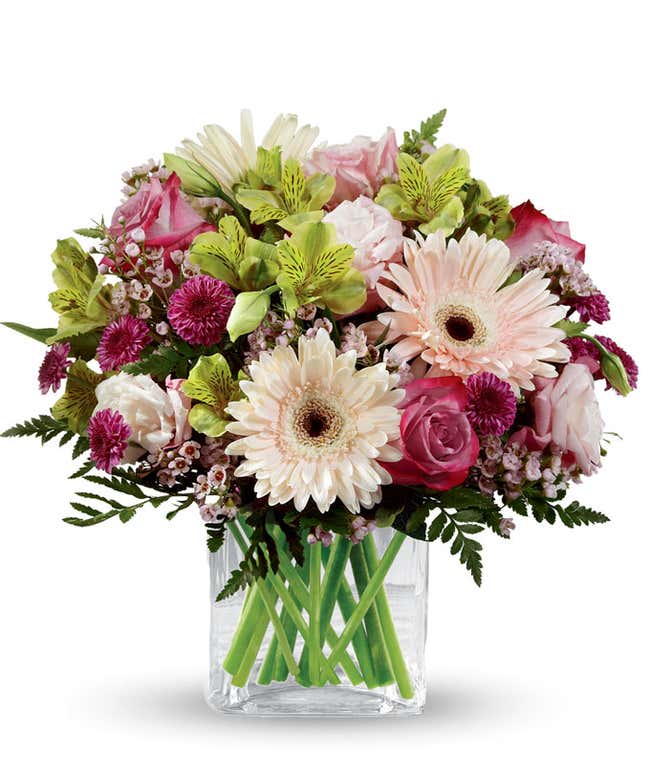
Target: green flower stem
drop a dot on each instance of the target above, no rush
(334, 571)
(347, 605)
(241, 676)
(378, 650)
(280, 671)
(367, 597)
(289, 604)
(250, 616)
(300, 623)
(298, 586)
(314, 610)
(283, 643)
(388, 626)
(268, 600)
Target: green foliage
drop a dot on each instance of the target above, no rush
(115, 487)
(532, 503)
(42, 335)
(571, 328)
(175, 359)
(425, 136)
(97, 233)
(484, 213)
(44, 427)
(78, 402)
(211, 382)
(81, 299)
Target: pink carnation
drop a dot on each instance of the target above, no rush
(199, 309)
(122, 342)
(108, 435)
(376, 237)
(54, 367)
(438, 443)
(533, 226)
(360, 167)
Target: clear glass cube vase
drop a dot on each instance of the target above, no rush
(343, 635)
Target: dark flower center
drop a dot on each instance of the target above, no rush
(459, 328)
(202, 306)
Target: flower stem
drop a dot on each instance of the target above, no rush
(268, 600)
(388, 626)
(298, 586)
(378, 650)
(367, 597)
(347, 605)
(240, 678)
(314, 611)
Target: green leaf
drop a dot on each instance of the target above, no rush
(172, 359)
(97, 233)
(43, 427)
(195, 180)
(42, 335)
(571, 328)
(415, 139)
(238, 580)
(247, 313)
(577, 515)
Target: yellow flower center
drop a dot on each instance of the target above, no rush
(461, 325)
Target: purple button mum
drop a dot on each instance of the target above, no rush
(491, 405)
(122, 342)
(54, 367)
(108, 435)
(199, 309)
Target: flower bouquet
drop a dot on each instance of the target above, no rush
(336, 355)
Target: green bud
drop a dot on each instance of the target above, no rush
(614, 372)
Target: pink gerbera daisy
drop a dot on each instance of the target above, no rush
(199, 309)
(122, 342)
(451, 306)
(108, 435)
(491, 405)
(54, 367)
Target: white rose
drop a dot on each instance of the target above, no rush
(373, 233)
(145, 406)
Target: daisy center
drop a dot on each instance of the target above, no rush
(316, 422)
(461, 325)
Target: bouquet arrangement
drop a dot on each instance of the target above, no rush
(304, 343)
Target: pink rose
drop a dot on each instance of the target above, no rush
(162, 214)
(567, 414)
(437, 441)
(375, 236)
(532, 226)
(360, 167)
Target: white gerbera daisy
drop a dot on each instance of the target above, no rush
(452, 309)
(314, 426)
(228, 160)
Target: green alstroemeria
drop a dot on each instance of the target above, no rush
(78, 402)
(440, 194)
(317, 268)
(230, 255)
(281, 194)
(81, 298)
(211, 383)
(314, 268)
(428, 192)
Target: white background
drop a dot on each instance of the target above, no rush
(103, 640)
